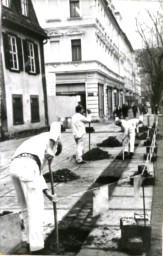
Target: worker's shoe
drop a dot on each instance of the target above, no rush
(126, 155)
(39, 252)
(130, 155)
(81, 162)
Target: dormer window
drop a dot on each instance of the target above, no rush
(6, 3)
(24, 5)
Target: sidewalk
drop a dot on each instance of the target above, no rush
(89, 173)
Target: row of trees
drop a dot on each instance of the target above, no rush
(150, 57)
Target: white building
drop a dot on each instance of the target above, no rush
(89, 53)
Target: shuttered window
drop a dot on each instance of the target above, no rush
(17, 109)
(35, 115)
(32, 66)
(13, 52)
(74, 8)
(31, 57)
(76, 50)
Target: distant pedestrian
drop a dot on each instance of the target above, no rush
(117, 112)
(144, 109)
(140, 108)
(124, 110)
(27, 163)
(134, 110)
(78, 120)
(156, 109)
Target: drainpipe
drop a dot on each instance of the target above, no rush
(44, 82)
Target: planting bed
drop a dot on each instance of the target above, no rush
(62, 175)
(95, 154)
(110, 142)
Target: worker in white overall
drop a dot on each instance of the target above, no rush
(128, 139)
(78, 127)
(136, 122)
(27, 163)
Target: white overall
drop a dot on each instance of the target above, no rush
(29, 185)
(129, 134)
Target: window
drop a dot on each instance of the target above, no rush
(74, 8)
(31, 57)
(17, 109)
(24, 5)
(35, 116)
(76, 50)
(13, 52)
(6, 3)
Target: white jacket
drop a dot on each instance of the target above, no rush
(78, 126)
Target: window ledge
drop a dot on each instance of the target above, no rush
(53, 20)
(19, 123)
(36, 121)
(75, 18)
(15, 70)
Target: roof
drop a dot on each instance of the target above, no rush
(12, 17)
(118, 26)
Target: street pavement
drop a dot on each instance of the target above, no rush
(73, 207)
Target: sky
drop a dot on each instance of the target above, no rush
(130, 9)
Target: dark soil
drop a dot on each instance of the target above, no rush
(5, 213)
(143, 128)
(142, 136)
(62, 175)
(110, 142)
(95, 154)
(70, 242)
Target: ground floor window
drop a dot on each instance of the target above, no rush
(17, 109)
(35, 115)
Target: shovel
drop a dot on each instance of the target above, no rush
(54, 208)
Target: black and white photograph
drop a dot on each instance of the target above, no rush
(81, 127)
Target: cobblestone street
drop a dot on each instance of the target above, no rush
(75, 207)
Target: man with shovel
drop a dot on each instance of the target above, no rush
(78, 120)
(27, 163)
(136, 122)
(128, 140)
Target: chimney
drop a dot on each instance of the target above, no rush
(118, 17)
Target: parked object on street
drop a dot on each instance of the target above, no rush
(27, 163)
(10, 235)
(135, 237)
(78, 127)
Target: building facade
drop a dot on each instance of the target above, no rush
(88, 51)
(24, 105)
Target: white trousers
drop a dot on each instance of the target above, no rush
(130, 143)
(79, 148)
(28, 185)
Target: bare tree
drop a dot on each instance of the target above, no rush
(150, 57)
